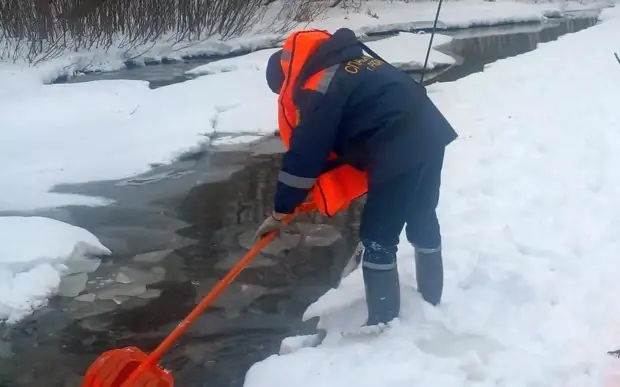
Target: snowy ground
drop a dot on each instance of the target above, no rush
(530, 221)
(34, 253)
(71, 141)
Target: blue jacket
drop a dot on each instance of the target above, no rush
(374, 116)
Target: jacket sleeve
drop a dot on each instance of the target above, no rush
(311, 142)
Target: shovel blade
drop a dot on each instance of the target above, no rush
(120, 368)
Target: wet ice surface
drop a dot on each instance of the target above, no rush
(234, 299)
(171, 245)
(112, 282)
(131, 240)
(230, 260)
(152, 257)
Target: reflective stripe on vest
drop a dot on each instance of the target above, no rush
(334, 190)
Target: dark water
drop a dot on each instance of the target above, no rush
(476, 49)
(157, 75)
(473, 48)
(175, 231)
(198, 231)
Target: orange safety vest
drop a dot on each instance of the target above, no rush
(333, 190)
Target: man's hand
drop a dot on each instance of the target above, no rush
(275, 222)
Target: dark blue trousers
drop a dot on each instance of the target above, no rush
(407, 200)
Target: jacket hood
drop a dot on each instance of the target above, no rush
(341, 47)
(274, 73)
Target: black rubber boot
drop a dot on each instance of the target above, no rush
(429, 273)
(382, 295)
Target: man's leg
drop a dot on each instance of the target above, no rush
(382, 221)
(423, 230)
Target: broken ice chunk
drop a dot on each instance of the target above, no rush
(150, 293)
(128, 274)
(122, 278)
(88, 297)
(72, 285)
(81, 265)
(320, 235)
(285, 241)
(120, 299)
(153, 256)
(118, 289)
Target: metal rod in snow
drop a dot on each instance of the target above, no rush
(430, 44)
(617, 57)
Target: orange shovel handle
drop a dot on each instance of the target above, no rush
(209, 298)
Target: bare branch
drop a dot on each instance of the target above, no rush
(38, 30)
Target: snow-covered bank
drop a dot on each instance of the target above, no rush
(405, 50)
(34, 254)
(374, 16)
(114, 129)
(530, 219)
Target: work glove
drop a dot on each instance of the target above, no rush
(274, 222)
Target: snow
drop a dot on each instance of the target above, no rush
(294, 343)
(33, 251)
(530, 223)
(405, 50)
(256, 60)
(70, 141)
(379, 16)
(375, 16)
(234, 141)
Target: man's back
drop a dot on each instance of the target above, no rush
(389, 116)
(387, 123)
